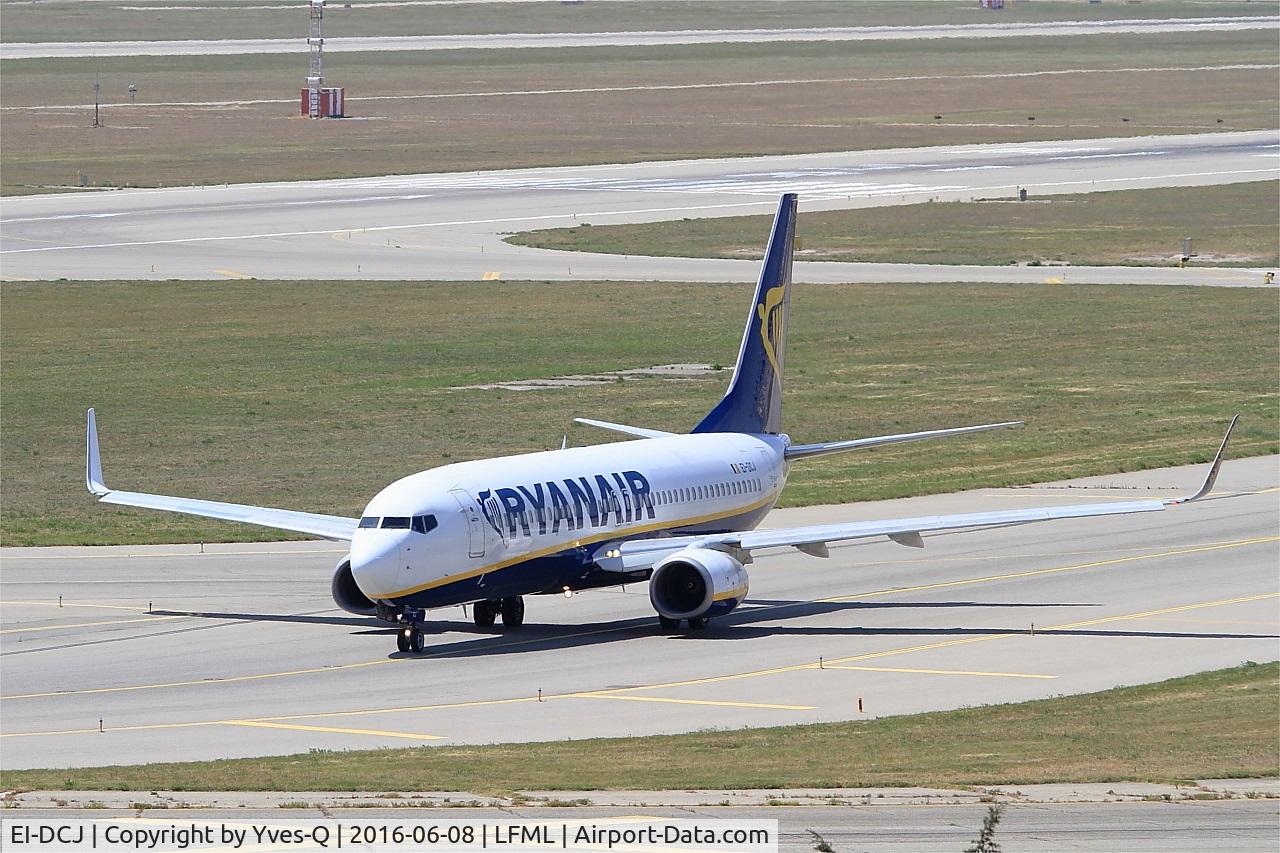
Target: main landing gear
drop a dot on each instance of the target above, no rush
(483, 613)
(413, 620)
(697, 623)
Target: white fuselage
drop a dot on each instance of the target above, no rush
(476, 530)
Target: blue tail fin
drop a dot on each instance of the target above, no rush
(753, 403)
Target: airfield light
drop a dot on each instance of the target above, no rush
(568, 593)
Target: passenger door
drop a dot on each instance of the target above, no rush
(475, 524)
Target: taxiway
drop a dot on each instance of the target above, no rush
(165, 653)
(450, 226)
(567, 41)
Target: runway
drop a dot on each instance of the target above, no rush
(160, 653)
(564, 41)
(449, 226)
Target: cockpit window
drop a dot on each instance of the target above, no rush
(424, 523)
(395, 522)
(368, 521)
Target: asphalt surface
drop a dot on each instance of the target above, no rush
(878, 826)
(450, 225)
(561, 41)
(239, 651)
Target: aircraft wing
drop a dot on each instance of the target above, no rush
(312, 524)
(637, 554)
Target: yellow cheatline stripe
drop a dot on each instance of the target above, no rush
(615, 693)
(935, 671)
(491, 276)
(233, 274)
(227, 680)
(374, 732)
(1035, 572)
(89, 624)
(722, 704)
(618, 533)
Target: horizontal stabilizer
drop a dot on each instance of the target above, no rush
(804, 451)
(639, 432)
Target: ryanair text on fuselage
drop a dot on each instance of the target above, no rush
(569, 504)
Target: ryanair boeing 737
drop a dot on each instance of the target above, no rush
(677, 510)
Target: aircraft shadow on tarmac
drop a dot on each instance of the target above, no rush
(300, 618)
(739, 626)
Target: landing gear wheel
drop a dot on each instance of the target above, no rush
(409, 640)
(667, 623)
(513, 611)
(483, 613)
(698, 623)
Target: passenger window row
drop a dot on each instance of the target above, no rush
(667, 497)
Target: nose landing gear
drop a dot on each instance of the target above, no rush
(409, 637)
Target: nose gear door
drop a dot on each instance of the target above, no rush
(475, 524)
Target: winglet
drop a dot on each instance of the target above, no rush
(1213, 469)
(92, 461)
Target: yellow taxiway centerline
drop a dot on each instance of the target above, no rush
(853, 597)
(90, 624)
(935, 671)
(616, 692)
(301, 728)
(1055, 570)
(721, 704)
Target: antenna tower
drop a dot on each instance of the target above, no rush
(315, 81)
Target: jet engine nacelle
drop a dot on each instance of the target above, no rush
(347, 594)
(697, 582)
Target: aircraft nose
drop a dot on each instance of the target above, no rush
(377, 562)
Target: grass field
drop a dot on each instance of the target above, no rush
(1232, 225)
(1213, 725)
(228, 119)
(313, 395)
(69, 20)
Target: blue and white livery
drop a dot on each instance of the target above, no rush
(677, 510)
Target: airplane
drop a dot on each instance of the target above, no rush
(677, 510)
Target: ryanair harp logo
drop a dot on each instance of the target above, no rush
(772, 325)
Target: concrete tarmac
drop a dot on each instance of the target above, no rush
(450, 226)
(871, 826)
(567, 41)
(166, 653)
